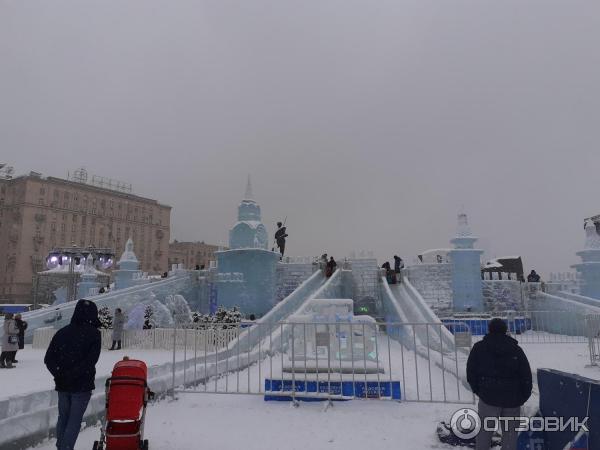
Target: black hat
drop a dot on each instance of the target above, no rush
(497, 326)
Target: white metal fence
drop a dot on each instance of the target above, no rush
(593, 333)
(327, 360)
(156, 338)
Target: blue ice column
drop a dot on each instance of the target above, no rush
(89, 280)
(467, 292)
(128, 268)
(589, 267)
(254, 290)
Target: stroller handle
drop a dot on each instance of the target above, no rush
(136, 379)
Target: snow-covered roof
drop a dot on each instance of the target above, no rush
(436, 250)
(80, 268)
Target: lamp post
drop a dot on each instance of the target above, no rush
(103, 258)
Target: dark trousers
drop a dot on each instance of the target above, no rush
(71, 407)
(7, 357)
(281, 246)
(118, 343)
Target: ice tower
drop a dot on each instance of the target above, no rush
(89, 278)
(589, 267)
(128, 268)
(466, 269)
(254, 290)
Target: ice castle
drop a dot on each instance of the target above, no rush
(247, 271)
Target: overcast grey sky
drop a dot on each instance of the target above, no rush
(368, 123)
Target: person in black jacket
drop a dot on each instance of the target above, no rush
(71, 359)
(22, 326)
(499, 373)
(280, 236)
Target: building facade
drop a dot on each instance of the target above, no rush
(191, 254)
(38, 214)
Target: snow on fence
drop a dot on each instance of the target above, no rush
(210, 338)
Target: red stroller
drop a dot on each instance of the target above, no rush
(127, 394)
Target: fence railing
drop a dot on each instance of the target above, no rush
(593, 333)
(328, 360)
(208, 337)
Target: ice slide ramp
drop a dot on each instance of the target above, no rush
(403, 303)
(180, 282)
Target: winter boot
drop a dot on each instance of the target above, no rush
(118, 345)
(113, 346)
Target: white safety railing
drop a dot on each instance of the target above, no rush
(593, 334)
(328, 360)
(157, 338)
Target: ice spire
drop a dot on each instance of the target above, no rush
(463, 229)
(248, 195)
(592, 239)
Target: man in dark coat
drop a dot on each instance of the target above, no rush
(499, 373)
(71, 359)
(22, 326)
(330, 268)
(533, 277)
(280, 236)
(398, 264)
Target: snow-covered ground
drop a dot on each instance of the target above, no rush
(31, 375)
(229, 421)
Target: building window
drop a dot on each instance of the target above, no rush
(41, 202)
(63, 227)
(42, 191)
(73, 227)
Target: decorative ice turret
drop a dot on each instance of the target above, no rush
(466, 269)
(589, 267)
(248, 232)
(89, 279)
(246, 272)
(128, 268)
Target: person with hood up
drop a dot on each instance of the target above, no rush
(118, 324)
(71, 359)
(10, 342)
(499, 374)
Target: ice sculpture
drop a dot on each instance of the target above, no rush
(327, 337)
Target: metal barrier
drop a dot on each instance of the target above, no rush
(593, 335)
(153, 339)
(532, 327)
(327, 360)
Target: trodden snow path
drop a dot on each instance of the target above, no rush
(230, 422)
(31, 375)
